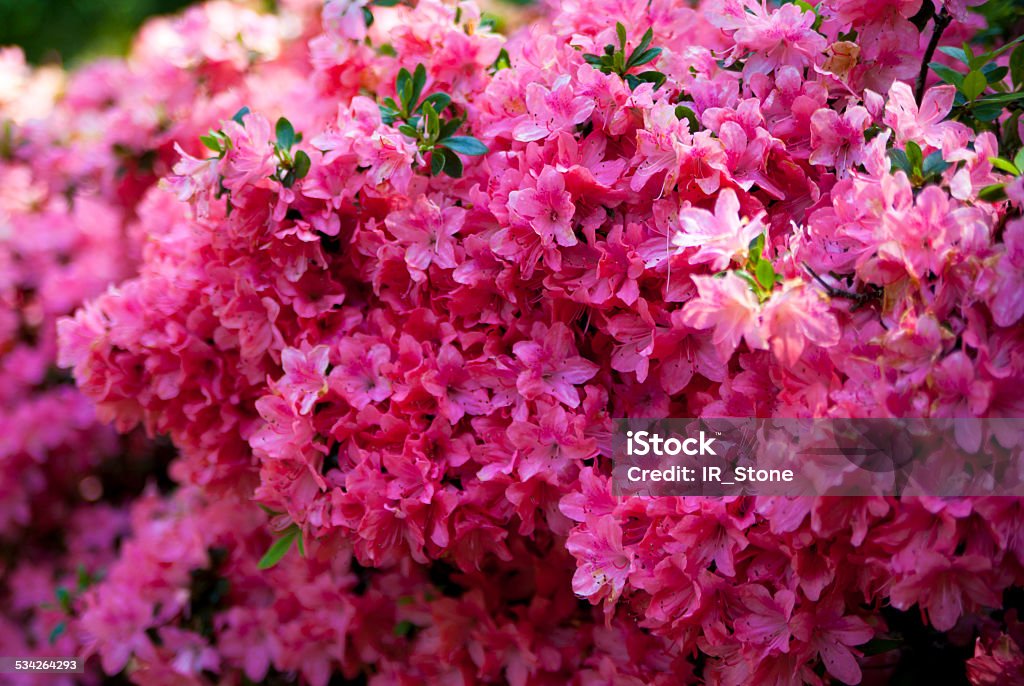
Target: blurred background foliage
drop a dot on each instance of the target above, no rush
(70, 31)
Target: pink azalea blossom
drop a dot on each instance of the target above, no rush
(720, 237)
(728, 305)
(548, 208)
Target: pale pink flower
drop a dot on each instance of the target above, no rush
(728, 305)
(925, 124)
(794, 317)
(721, 237)
(304, 379)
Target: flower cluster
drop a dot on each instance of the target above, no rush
(400, 271)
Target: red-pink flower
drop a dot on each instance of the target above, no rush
(551, 365)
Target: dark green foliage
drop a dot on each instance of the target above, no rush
(74, 30)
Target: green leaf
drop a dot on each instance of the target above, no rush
(63, 599)
(1002, 98)
(645, 42)
(58, 631)
(437, 161)
(402, 88)
(439, 101)
(212, 142)
(409, 130)
(448, 128)
(993, 193)
(994, 73)
(972, 62)
(503, 61)
(684, 112)
(467, 145)
(877, 646)
(301, 164)
(754, 286)
(655, 77)
(934, 164)
(279, 548)
(646, 56)
(900, 161)
(432, 125)
(1017, 66)
(947, 75)
(955, 53)
(240, 114)
(386, 3)
(987, 112)
(914, 156)
(620, 30)
(974, 85)
(419, 80)
(756, 248)
(989, 56)
(765, 274)
(403, 628)
(285, 134)
(83, 578)
(1004, 165)
(453, 166)
(1018, 159)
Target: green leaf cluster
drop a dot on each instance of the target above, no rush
(424, 120)
(614, 60)
(918, 168)
(983, 93)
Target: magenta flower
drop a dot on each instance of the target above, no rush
(551, 366)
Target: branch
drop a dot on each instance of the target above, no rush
(942, 20)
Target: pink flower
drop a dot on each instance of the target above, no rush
(304, 379)
(344, 19)
(945, 586)
(427, 231)
(728, 305)
(604, 564)
(550, 365)
(784, 37)
(547, 208)
(926, 124)
(359, 375)
(795, 316)
(766, 617)
(720, 237)
(838, 140)
(832, 633)
(552, 110)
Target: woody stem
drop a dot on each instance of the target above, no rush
(942, 20)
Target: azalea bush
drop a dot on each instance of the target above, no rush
(382, 276)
